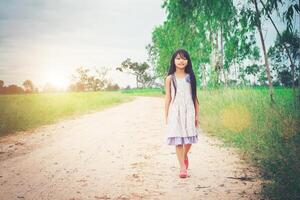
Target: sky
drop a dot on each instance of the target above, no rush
(46, 40)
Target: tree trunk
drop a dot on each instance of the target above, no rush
(299, 66)
(284, 46)
(258, 24)
(299, 84)
(213, 46)
(217, 67)
(235, 72)
(203, 69)
(213, 58)
(222, 57)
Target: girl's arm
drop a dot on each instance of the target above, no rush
(196, 112)
(168, 97)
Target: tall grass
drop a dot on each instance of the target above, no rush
(267, 136)
(25, 111)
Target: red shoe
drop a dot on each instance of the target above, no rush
(186, 162)
(183, 174)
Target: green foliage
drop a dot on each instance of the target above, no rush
(166, 39)
(197, 26)
(219, 34)
(213, 81)
(288, 15)
(279, 57)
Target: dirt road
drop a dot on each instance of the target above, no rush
(118, 153)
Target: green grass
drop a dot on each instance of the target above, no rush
(269, 137)
(144, 92)
(26, 111)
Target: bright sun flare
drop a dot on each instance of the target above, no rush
(57, 79)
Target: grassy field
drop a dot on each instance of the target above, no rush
(267, 136)
(22, 112)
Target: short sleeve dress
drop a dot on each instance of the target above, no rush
(181, 127)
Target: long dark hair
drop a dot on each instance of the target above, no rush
(188, 69)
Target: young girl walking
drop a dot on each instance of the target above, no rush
(181, 107)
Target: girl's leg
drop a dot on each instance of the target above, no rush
(180, 156)
(187, 148)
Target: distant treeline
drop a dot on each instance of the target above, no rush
(81, 81)
(14, 89)
(86, 80)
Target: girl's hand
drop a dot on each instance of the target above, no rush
(196, 121)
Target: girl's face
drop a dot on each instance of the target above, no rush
(180, 61)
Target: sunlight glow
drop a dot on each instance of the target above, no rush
(235, 117)
(56, 77)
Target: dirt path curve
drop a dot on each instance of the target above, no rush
(118, 153)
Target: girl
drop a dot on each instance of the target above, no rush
(181, 107)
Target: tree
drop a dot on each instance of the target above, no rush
(252, 70)
(28, 86)
(102, 80)
(112, 87)
(254, 17)
(212, 33)
(13, 89)
(285, 78)
(77, 87)
(279, 56)
(288, 15)
(262, 77)
(139, 70)
(83, 81)
(2, 88)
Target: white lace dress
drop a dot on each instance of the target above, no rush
(181, 127)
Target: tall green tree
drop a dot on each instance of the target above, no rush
(254, 15)
(280, 53)
(287, 16)
(139, 70)
(209, 30)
